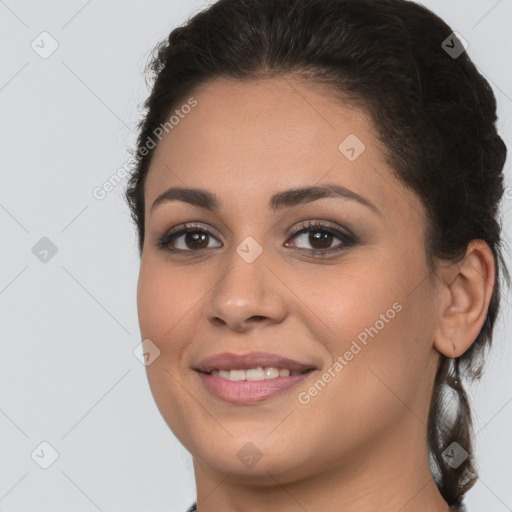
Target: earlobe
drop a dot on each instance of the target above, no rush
(469, 284)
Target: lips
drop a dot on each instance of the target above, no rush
(230, 361)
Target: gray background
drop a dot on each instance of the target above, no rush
(68, 375)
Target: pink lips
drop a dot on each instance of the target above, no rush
(230, 361)
(245, 391)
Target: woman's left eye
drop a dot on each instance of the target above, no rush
(320, 236)
(195, 238)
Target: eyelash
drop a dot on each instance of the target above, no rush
(347, 240)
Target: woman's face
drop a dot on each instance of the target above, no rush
(360, 311)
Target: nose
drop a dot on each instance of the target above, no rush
(247, 295)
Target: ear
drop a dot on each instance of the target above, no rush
(467, 288)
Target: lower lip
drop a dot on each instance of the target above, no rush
(249, 391)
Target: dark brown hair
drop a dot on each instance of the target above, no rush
(434, 112)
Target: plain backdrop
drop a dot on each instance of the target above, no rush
(68, 375)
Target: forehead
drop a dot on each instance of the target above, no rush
(251, 139)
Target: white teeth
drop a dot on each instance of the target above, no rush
(254, 373)
(222, 373)
(236, 374)
(273, 373)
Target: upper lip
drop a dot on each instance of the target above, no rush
(230, 361)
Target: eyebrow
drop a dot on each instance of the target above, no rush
(285, 199)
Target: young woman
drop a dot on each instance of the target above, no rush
(316, 197)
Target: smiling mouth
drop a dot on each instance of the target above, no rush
(255, 374)
(253, 385)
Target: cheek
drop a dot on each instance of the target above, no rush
(165, 297)
(165, 304)
(356, 301)
(366, 315)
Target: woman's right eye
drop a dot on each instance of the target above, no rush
(181, 239)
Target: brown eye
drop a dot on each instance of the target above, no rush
(321, 238)
(187, 240)
(196, 240)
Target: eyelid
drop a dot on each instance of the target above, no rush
(322, 224)
(188, 225)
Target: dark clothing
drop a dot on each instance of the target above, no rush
(453, 508)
